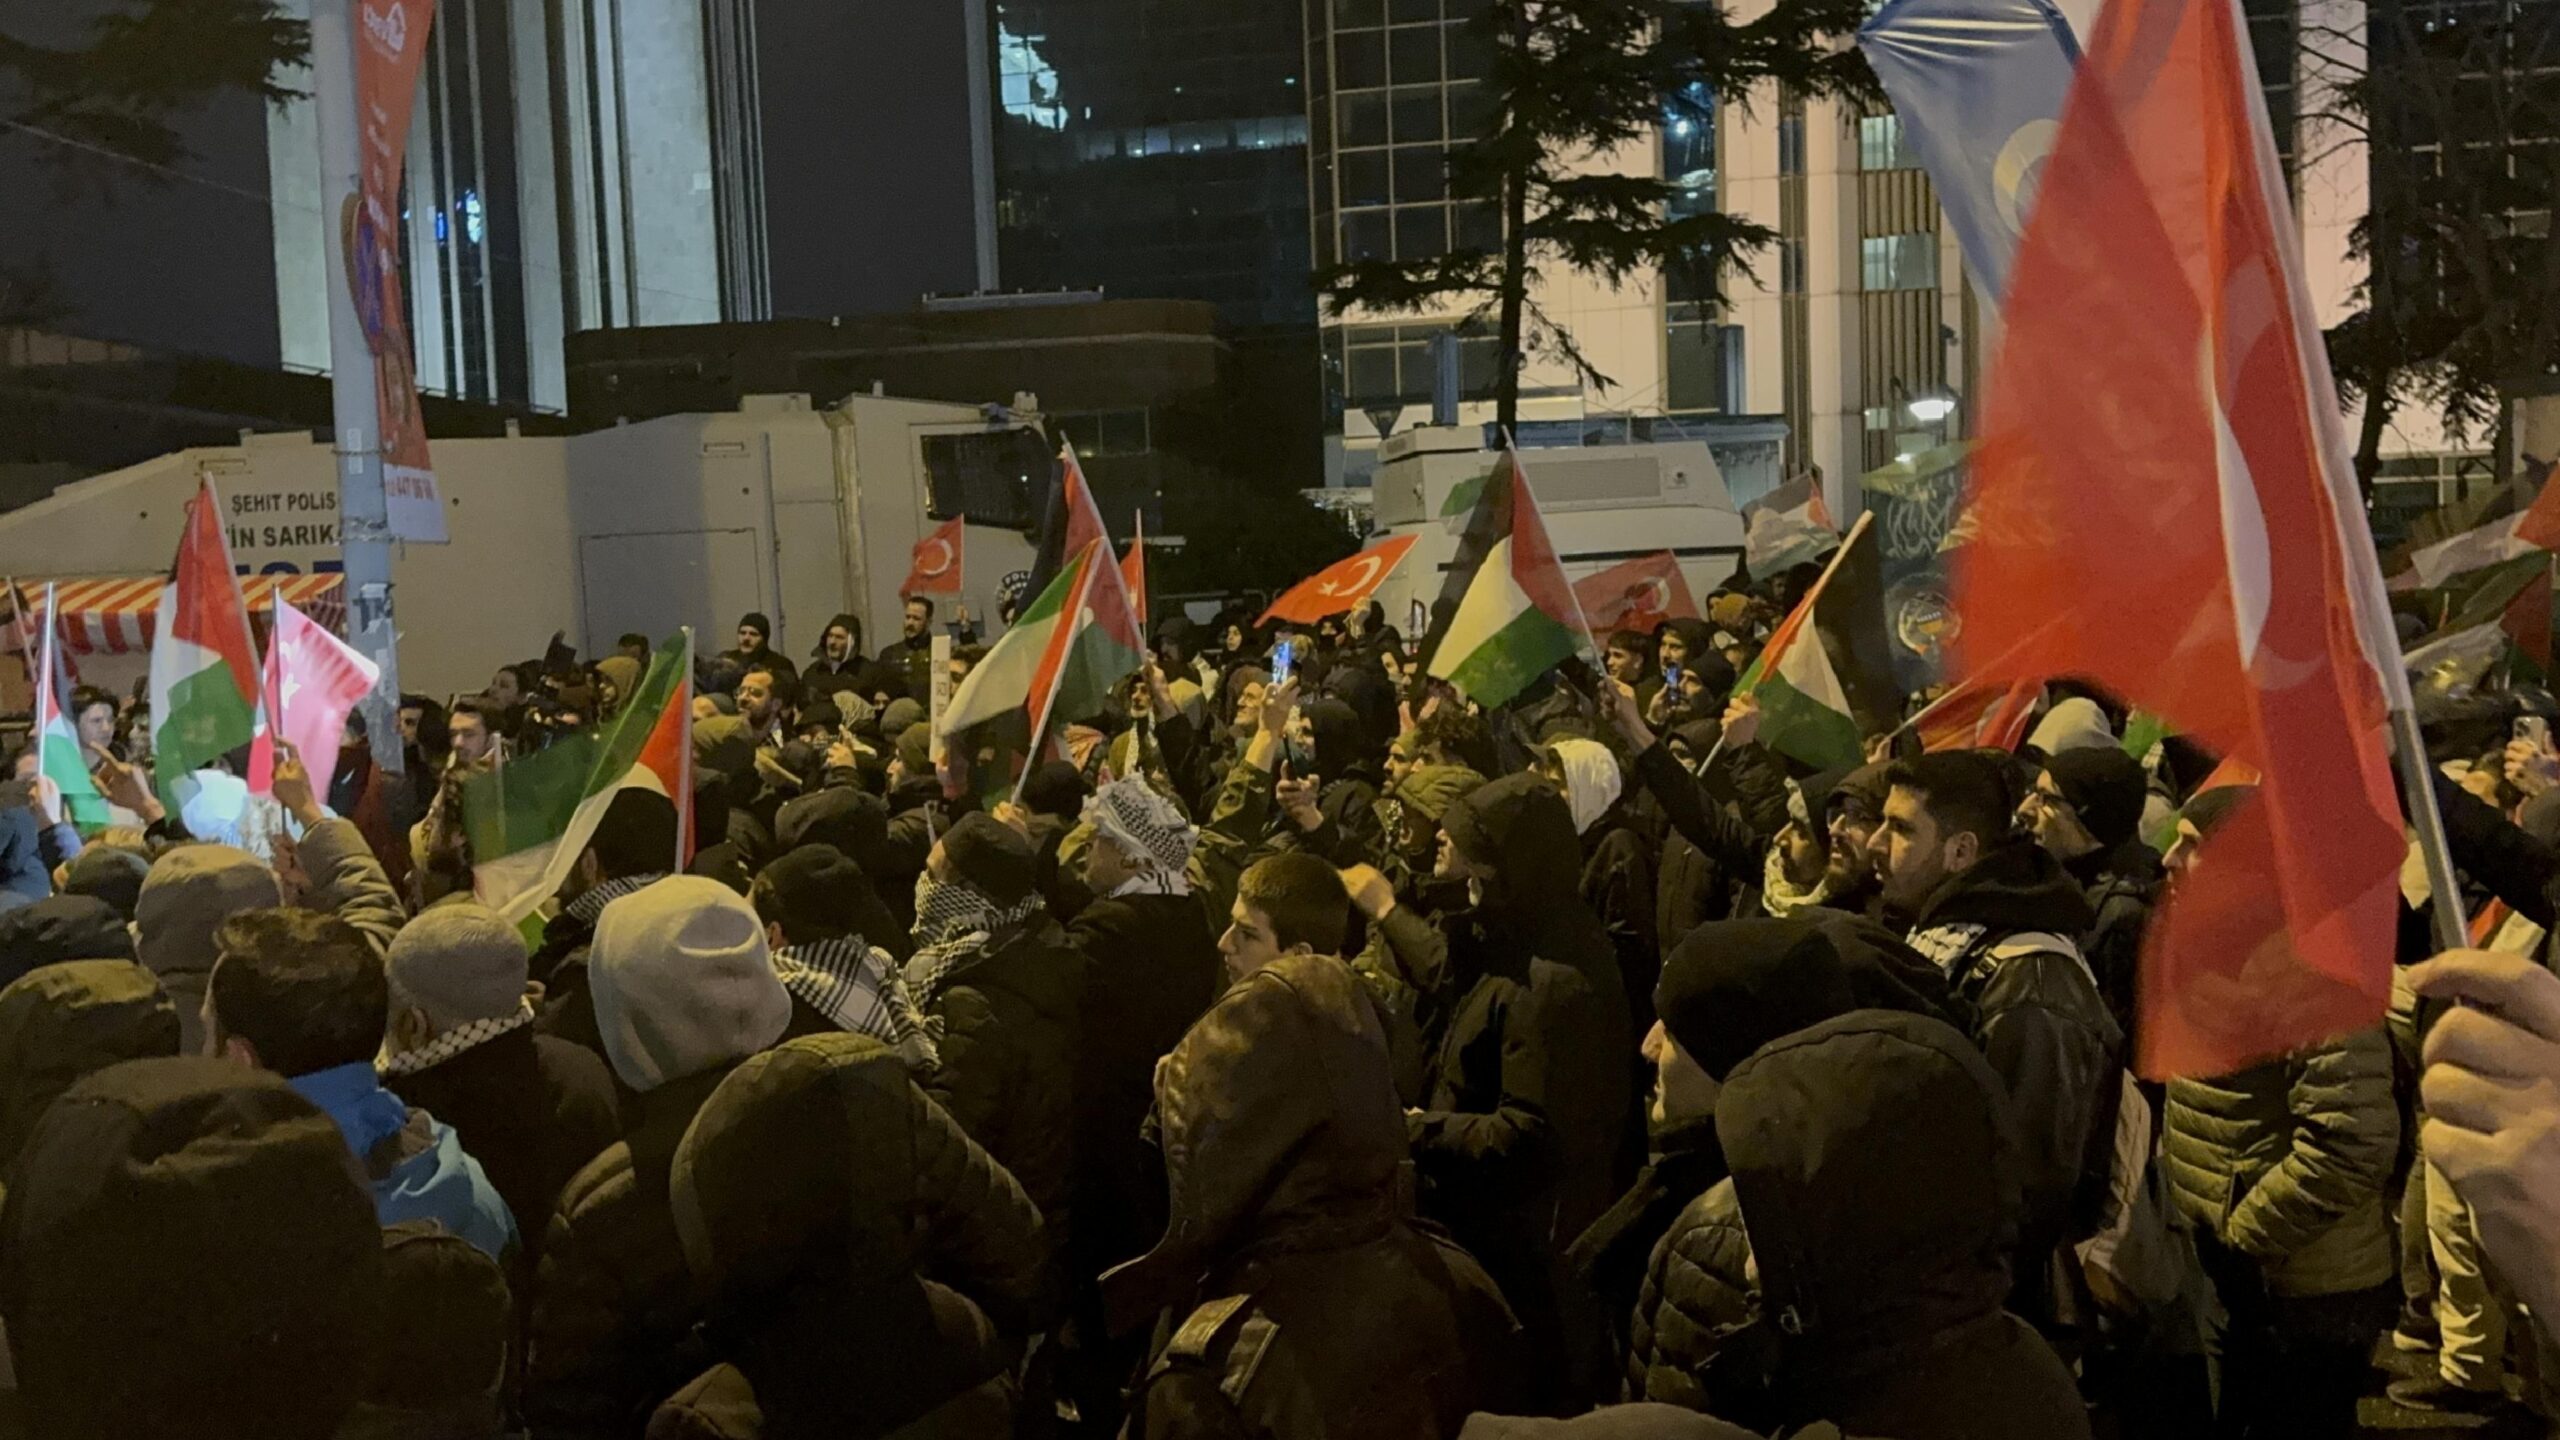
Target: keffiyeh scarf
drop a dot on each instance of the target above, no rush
(1783, 898)
(466, 1036)
(591, 903)
(856, 985)
(1149, 831)
(953, 925)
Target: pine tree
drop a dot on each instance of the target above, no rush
(1572, 78)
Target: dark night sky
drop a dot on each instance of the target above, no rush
(866, 140)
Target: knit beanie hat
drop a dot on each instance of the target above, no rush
(188, 1249)
(1732, 986)
(188, 895)
(991, 858)
(2073, 724)
(682, 981)
(759, 622)
(915, 749)
(109, 872)
(2106, 786)
(900, 713)
(458, 962)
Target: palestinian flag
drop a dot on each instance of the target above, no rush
(1060, 660)
(204, 663)
(529, 819)
(1512, 615)
(1787, 527)
(1825, 680)
(58, 754)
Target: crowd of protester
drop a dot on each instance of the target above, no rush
(1322, 1057)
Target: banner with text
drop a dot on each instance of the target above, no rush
(391, 45)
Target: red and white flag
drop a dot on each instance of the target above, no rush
(1976, 716)
(1108, 593)
(312, 680)
(1340, 586)
(935, 569)
(2171, 514)
(1637, 594)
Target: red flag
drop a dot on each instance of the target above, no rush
(1339, 586)
(2527, 621)
(1133, 566)
(2541, 522)
(1636, 594)
(1107, 593)
(1976, 716)
(313, 679)
(935, 568)
(2125, 496)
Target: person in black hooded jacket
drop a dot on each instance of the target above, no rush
(838, 665)
(1881, 1318)
(2002, 918)
(1524, 1021)
(2084, 809)
(1334, 811)
(1728, 989)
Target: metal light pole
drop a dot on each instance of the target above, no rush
(363, 530)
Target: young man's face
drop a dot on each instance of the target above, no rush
(959, 671)
(1626, 666)
(919, 618)
(1249, 943)
(750, 639)
(839, 643)
(1916, 856)
(1674, 648)
(504, 692)
(1803, 854)
(2054, 821)
(1852, 846)
(97, 725)
(410, 715)
(471, 738)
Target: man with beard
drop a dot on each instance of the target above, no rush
(2001, 917)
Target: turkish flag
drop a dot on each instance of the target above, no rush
(2171, 514)
(312, 679)
(1976, 716)
(1339, 586)
(1636, 594)
(935, 570)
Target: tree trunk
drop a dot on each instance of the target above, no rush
(2369, 428)
(1515, 262)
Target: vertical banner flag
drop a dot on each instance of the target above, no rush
(58, 754)
(1637, 594)
(204, 661)
(2192, 473)
(1341, 586)
(391, 47)
(313, 679)
(1977, 89)
(936, 566)
(1133, 566)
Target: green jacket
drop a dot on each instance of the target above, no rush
(2287, 1161)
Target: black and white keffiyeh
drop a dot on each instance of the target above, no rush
(857, 985)
(591, 903)
(466, 1036)
(953, 925)
(1151, 833)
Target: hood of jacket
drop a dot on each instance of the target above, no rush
(67, 1021)
(855, 823)
(1280, 1128)
(189, 893)
(1524, 830)
(1878, 1181)
(1592, 782)
(2016, 887)
(59, 928)
(1341, 740)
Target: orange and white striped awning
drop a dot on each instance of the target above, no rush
(116, 615)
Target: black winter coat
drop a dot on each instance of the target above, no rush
(1151, 968)
(614, 1314)
(1881, 1318)
(866, 1268)
(1007, 1067)
(532, 1109)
